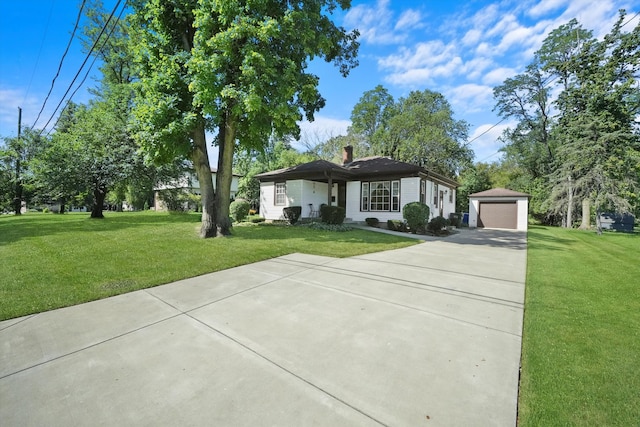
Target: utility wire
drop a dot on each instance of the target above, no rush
(546, 85)
(44, 37)
(73, 33)
(95, 43)
(104, 43)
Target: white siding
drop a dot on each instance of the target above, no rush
(299, 193)
(409, 192)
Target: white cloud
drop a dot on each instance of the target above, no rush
(497, 76)
(485, 141)
(10, 100)
(544, 7)
(320, 130)
(422, 55)
(471, 98)
(409, 19)
(375, 23)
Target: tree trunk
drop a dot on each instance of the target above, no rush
(200, 160)
(598, 223)
(224, 175)
(62, 206)
(570, 206)
(586, 214)
(99, 194)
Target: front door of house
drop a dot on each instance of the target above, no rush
(342, 194)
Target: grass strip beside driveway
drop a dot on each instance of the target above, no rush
(581, 344)
(50, 261)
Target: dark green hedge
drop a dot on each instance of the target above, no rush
(332, 214)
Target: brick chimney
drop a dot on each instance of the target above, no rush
(347, 155)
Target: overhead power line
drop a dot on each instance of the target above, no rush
(545, 85)
(95, 43)
(104, 43)
(53, 82)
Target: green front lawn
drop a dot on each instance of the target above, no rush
(581, 345)
(49, 261)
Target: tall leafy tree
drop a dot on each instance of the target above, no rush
(423, 131)
(370, 117)
(236, 67)
(602, 147)
(168, 123)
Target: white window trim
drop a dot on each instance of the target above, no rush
(282, 194)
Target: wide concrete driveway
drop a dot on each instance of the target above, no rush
(428, 335)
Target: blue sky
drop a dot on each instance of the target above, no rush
(461, 49)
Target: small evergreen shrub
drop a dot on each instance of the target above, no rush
(45, 210)
(437, 224)
(396, 225)
(372, 222)
(417, 215)
(292, 213)
(332, 214)
(239, 209)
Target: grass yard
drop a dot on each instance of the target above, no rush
(49, 261)
(581, 345)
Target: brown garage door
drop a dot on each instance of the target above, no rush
(498, 215)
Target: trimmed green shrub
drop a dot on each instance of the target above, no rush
(327, 227)
(292, 213)
(417, 215)
(437, 224)
(372, 222)
(396, 225)
(332, 214)
(239, 209)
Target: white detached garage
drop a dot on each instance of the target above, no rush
(499, 208)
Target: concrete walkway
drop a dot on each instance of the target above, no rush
(426, 335)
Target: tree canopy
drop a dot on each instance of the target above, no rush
(238, 68)
(584, 144)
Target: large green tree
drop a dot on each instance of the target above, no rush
(419, 129)
(236, 67)
(423, 131)
(601, 144)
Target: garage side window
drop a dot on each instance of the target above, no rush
(280, 194)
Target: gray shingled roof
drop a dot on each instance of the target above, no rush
(499, 192)
(364, 168)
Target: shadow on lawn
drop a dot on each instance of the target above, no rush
(13, 229)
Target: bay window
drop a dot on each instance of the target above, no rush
(380, 196)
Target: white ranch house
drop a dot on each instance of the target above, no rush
(376, 187)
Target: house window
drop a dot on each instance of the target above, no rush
(364, 202)
(281, 194)
(423, 191)
(380, 196)
(395, 196)
(451, 196)
(435, 195)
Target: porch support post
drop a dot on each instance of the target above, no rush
(329, 186)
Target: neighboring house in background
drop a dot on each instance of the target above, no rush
(376, 187)
(190, 185)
